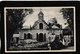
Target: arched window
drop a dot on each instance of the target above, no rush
(17, 39)
(24, 35)
(29, 36)
(45, 37)
(37, 36)
(40, 26)
(40, 37)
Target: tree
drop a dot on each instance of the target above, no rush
(14, 18)
(52, 22)
(68, 14)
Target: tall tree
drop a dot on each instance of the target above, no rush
(15, 21)
(68, 14)
(53, 21)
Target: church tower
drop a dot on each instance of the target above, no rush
(41, 15)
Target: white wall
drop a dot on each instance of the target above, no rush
(34, 33)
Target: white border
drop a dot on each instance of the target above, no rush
(39, 50)
(40, 0)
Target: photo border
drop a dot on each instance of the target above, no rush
(5, 43)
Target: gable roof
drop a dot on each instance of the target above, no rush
(45, 22)
(54, 26)
(38, 22)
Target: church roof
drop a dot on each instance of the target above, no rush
(45, 22)
(38, 22)
(41, 12)
(54, 26)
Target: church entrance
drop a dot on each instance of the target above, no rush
(29, 36)
(41, 37)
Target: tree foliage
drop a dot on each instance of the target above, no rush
(15, 20)
(68, 14)
(15, 16)
(53, 21)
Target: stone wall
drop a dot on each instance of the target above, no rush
(34, 33)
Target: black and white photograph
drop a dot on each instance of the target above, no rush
(40, 29)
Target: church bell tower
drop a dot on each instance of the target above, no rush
(41, 15)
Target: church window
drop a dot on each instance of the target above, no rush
(29, 36)
(24, 35)
(17, 40)
(45, 37)
(49, 38)
(40, 26)
(37, 36)
(40, 37)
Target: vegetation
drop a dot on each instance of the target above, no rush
(68, 14)
(15, 21)
(53, 21)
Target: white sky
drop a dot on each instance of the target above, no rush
(49, 12)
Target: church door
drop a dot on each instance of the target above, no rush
(41, 37)
(29, 36)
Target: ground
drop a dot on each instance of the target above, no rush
(41, 46)
(69, 48)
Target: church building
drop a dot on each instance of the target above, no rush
(39, 32)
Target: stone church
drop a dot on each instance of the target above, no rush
(39, 32)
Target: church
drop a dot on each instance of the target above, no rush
(39, 32)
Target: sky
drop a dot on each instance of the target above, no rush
(49, 13)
